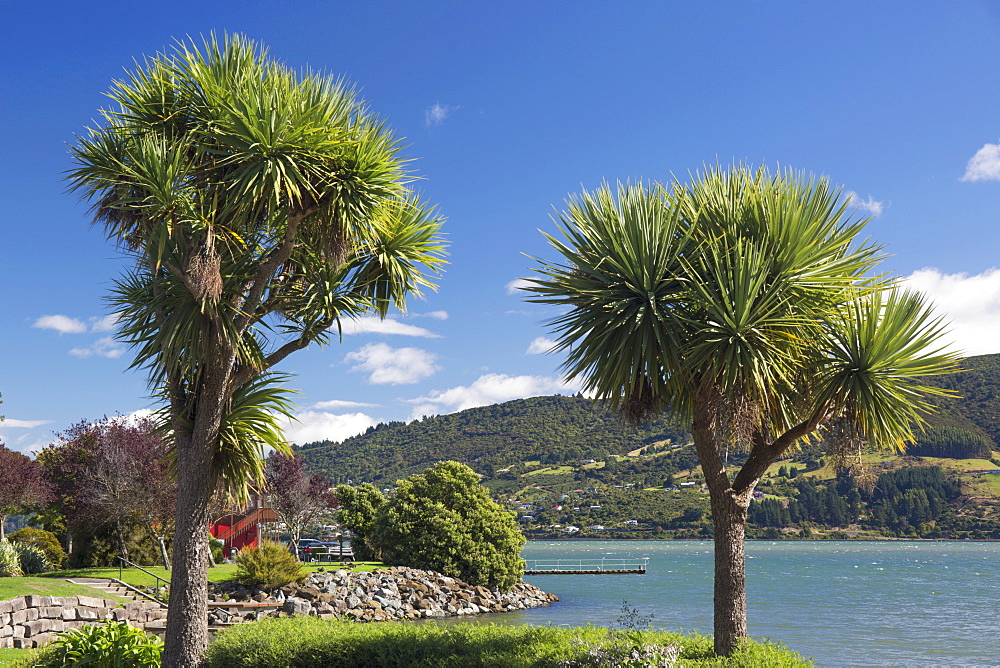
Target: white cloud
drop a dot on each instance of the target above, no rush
(984, 165)
(540, 345)
(105, 324)
(23, 424)
(436, 315)
(489, 389)
(103, 347)
(393, 366)
(515, 286)
(335, 404)
(970, 303)
(437, 113)
(61, 323)
(871, 205)
(311, 426)
(373, 325)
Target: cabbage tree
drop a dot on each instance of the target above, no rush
(259, 207)
(749, 305)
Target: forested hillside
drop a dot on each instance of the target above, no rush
(566, 466)
(551, 430)
(977, 408)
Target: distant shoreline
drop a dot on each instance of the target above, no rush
(779, 540)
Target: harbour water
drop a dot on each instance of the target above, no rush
(895, 603)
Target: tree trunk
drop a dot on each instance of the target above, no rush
(163, 547)
(729, 515)
(187, 613)
(122, 541)
(3, 527)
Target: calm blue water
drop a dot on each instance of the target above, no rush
(841, 603)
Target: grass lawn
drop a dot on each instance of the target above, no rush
(551, 470)
(12, 656)
(137, 578)
(44, 586)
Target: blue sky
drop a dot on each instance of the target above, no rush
(506, 109)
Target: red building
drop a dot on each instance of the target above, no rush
(242, 530)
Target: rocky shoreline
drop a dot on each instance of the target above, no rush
(382, 595)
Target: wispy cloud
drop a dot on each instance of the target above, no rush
(970, 303)
(435, 315)
(22, 424)
(437, 113)
(61, 323)
(312, 426)
(488, 389)
(337, 404)
(103, 347)
(984, 165)
(373, 325)
(393, 366)
(105, 324)
(516, 286)
(540, 345)
(871, 205)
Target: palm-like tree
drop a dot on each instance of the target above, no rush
(745, 304)
(261, 207)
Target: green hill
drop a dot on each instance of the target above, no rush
(548, 430)
(645, 481)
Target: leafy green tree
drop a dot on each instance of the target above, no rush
(444, 520)
(260, 206)
(748, 304)
(359, 507)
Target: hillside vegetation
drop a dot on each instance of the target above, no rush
(566, 467)
(551, 430)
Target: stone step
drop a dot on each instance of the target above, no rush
(108, 586)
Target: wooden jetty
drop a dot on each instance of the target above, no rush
(587, 567)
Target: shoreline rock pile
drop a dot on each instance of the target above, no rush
(387, 594)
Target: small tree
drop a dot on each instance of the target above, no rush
(22, 484)
(113, 474)
(359, 507)
(444, 520)
(294, 494)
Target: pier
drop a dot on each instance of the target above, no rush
(587, 567)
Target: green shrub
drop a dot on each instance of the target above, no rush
(268, 566)
(443, 520)
(111, 645)
(216, 545)
(46, 540)
(31, 558)
(10, 563)
(307, 642)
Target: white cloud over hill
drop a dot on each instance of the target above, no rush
(970, 303)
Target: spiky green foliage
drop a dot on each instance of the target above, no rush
(31, 558)
(748, 304)
(10, 562)
(752, 289)
(268, 566)
(261, 206)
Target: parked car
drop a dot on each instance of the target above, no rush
(311, 549)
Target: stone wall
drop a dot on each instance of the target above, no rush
(31, 621)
